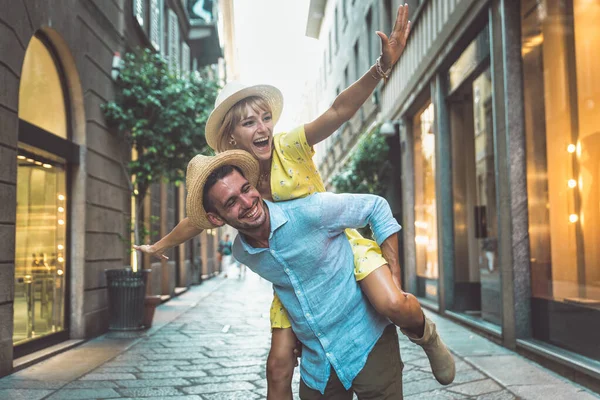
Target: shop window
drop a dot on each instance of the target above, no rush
(426, 240)
(42, 200)
(562, 113)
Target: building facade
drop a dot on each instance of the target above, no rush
(65, 199)
(495, 104)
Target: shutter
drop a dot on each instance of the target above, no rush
(155, 23)
(173, 41)
(138, 11)
(185, 58)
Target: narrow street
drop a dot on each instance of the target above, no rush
(212, 342)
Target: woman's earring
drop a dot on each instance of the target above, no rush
(232, 142)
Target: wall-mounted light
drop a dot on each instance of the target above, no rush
(573, 218)
(389, 128)
(571, 148)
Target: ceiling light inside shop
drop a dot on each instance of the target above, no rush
(573, 218)
(61, 222)
(47, 166)
(61, 197)
(60, 247)
(572, 183)
(21, 157)
(571, 148)
(60, 209)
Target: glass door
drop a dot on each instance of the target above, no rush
(40, 248)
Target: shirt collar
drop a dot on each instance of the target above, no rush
(277, 218)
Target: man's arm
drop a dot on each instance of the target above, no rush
(342, 211)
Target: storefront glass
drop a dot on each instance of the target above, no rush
(426, 240)
(40, 248)
(560, 50)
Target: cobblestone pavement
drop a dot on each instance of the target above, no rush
(216, 350)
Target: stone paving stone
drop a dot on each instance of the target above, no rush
(176, 374)
(149, 363)
(90, 385)
(23, 394)
(139, 383)
(241, 395)
(420, 386)
(247, 363)
(107, 377)
(543, 392)
(502, 395)
(477, 388)
(514, 370)
(176, 356)
(217, 379)
(415, 375)
(219, 388)
(112, 370)
(160, 368)
(190, 397)
(235, 353)
(84, 394)
(240, 370)
(199, 367)
(468, 376)
(150, 392)
(435, 395)
(8, 383)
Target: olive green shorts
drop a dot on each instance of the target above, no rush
(380, 378)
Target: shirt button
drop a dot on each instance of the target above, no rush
(287, 270)
(328, 354)
(298, 292)
(319, 334)
(307, 315)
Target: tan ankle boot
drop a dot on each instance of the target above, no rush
(442, 362)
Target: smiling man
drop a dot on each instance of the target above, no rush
(301, 248)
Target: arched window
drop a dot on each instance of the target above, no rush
(42, 199)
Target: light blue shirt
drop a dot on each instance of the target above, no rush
(311, 265)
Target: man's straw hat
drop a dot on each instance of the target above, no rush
(198, 171)
(234, 92)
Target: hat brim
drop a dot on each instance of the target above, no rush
(194, 201)
(270, 93)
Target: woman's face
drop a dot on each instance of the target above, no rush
(254, 133)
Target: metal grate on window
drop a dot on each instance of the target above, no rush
(155, 23)
(138, 10)
(173, 41)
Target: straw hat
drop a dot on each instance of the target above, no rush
(230, 95)
(198, 171)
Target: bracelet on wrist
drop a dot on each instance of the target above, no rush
(380, 71)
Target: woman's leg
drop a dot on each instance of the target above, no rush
(404, 310)
(280, 364)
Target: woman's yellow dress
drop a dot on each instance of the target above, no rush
(294, 175)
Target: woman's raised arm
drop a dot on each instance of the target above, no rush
(352, 98)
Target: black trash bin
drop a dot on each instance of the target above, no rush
(126, 292)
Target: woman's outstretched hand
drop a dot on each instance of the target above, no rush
(393, 46)
(151, 250)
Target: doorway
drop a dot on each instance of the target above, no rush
(477, 284)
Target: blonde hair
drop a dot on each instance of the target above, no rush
(235, 115)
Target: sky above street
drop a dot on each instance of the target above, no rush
(273, 49)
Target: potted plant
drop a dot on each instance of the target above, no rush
(162, 114)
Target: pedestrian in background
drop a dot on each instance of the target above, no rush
(224, 251)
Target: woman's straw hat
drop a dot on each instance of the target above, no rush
(230, 95)
(198, 171)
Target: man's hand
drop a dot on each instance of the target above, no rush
(298, 351)
(392, 47)
(151, 250)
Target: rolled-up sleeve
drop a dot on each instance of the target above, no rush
(341, 211)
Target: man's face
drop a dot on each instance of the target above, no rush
(238, 203)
